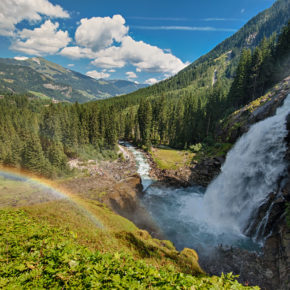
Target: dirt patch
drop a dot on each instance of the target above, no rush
(115, 184)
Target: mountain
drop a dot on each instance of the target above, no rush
(47, 79)
(221, 62)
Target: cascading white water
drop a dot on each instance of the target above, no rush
(191, 218)
(143, 167)
(250, 173)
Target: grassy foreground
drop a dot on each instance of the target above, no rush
(35, 254)
(79, 243)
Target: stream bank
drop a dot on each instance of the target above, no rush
(270, 268)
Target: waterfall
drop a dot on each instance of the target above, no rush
(249, 175)
(195, 218)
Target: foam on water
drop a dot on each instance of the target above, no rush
(203, 219)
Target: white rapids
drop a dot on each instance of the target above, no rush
(203, 219)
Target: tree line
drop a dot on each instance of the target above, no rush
(41, 137)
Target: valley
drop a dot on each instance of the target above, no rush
(175, 176)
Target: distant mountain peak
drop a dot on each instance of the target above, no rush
(47, 79)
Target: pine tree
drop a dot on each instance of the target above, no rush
(144, 120)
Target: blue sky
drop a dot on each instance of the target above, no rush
(143, 41)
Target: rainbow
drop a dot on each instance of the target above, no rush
(51, 188)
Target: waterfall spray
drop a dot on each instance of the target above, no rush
(250, 173)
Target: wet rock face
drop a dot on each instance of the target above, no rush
(205, 171)
(271, 269)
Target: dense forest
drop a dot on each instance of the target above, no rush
(39, 136)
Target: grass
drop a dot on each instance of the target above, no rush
(88, 152)
(81, 243)
(210, 151)
(171, 158)
(17, 193)
(40, 95)
(94, 224)
(175, 159)
(34, 254)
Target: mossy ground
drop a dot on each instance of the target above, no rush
(167, 158)
(212, 150)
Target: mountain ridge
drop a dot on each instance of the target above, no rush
(51, 80)
(197, 77)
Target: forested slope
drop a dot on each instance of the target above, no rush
(46, 79)
(197, 78)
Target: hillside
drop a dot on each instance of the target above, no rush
(220, 63)
(46, 79)
(61, 243)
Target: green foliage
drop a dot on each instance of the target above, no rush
(41, 139)
(261, 69)
(35, 255)
(144, 119)
(196, 147)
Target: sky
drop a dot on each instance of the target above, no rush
(141, 41)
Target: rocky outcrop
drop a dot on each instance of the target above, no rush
(124, 199)
(271, 269)
(201, 173)
(240, 121)
(206, 170)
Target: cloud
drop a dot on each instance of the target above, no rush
(21, 58)
(151, 81)
(14, 11)
(100, 32)
(158, 18)
(97, 75)
(76, 52)
(215, 19)
(71, 65)
(106, 41)
(143, 56)
(112, 70)
(46, 39)
(131, 75)
(243, 10)
(185, 28)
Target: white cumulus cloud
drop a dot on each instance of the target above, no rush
(46, 39)
(77, 52)
(106, 41)
(131, 75)
(97, 75)
(143, 56)
(151, 81)
(100, 32)
(14, 11)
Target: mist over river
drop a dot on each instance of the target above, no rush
(203, 219)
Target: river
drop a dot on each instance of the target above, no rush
(203, 219)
